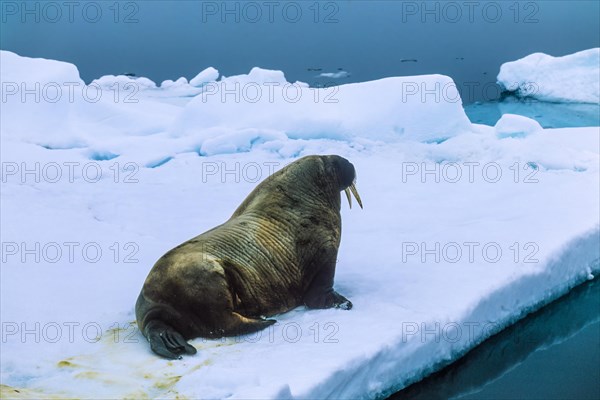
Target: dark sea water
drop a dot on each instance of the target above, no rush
(359, 40)
(553, 353)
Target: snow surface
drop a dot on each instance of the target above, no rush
(425, 174)
(571, 78)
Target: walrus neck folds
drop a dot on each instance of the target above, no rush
(318, 187)
(326, 193)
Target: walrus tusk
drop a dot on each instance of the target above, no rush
(347, 191)
(352, 188)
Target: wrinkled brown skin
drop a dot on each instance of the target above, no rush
(278, 251)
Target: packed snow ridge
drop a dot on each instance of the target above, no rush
(466, 228)
(571, 78)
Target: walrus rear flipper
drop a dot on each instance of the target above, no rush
(240, 325)
(166, 341)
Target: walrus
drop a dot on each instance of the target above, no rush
(278, 251)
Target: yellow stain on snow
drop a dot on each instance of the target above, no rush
(66, 363)
(168, 383)
(111, 365)
(8, 392)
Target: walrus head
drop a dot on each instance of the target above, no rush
(346, 174)
(331, 174)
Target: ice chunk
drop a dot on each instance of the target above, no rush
(258, 76)
(571, 78)
(210, 74)
(36, 70)
(511, 125)
(110, 82)
(422, 108)
(37, 95)
(50, 105)
(334, 75)
(167, 84)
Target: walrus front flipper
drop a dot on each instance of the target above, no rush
(320, 293)
(166, 341)
(326, 299)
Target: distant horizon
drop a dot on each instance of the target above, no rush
(348, 42)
